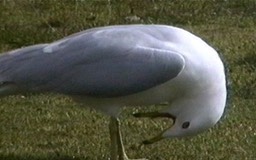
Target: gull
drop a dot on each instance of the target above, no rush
(110, 67)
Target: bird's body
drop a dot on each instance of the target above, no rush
(111, 67)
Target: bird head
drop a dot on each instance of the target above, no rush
(189, 120)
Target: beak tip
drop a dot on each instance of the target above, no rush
(153, 140)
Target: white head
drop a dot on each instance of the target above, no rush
(192, 116)
(191, 123)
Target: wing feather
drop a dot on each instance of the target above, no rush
(93, 64)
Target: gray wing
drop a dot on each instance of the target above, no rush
(85, 65)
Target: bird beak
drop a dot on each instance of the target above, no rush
(155, 115)
(154, 139)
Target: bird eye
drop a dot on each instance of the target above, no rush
(185, 125)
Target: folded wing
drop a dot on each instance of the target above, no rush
(85, 65)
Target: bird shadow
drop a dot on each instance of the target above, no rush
(51, 157)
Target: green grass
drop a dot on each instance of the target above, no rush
(47, 127)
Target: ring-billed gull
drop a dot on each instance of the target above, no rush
(126, 65)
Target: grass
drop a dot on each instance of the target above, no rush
(52, 127)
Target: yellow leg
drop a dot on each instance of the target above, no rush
(117, 147)
(113, 139)
(121, 150)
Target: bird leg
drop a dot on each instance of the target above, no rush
(154, 115)
(113, 139)
(117, 147)
(121, 150)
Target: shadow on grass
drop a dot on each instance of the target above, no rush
(51, 157)
(249, 59)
